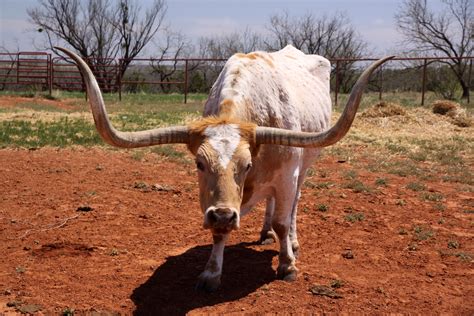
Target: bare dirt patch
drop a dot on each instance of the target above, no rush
(14, 102)
(137, 250)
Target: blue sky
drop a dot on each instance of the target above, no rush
(372, 19)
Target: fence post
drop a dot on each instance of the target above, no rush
(119, 79)
(423, 84)
(337, 83)
(50, 74)
(186, 81)
(380, 82)
(18, 68)
(469, 82)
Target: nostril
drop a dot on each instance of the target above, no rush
(234, 216)
(212, 216)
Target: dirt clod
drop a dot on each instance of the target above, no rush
(348, 254)
(324, 290)
(84, 208)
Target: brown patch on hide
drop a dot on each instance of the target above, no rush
(249, 55)
(196, 130)
(235, 74)
(283, 95)
(253, 56)
(226, 107)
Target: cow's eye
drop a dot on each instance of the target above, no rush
(249, 166)
(200, 166)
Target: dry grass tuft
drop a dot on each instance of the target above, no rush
(384, 109)
(445, 107)
(454, 112)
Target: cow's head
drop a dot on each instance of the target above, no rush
(223, 147)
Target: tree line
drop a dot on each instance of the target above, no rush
(102, 31)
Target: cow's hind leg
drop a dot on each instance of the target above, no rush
(210, 279)
(267, 235)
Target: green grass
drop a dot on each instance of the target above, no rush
(135, 112)
(422, 233)
(170, 152)
(415, 186)
(60, 133)
(322, 207)
(381, 182)
(354, 217)
(357, 186)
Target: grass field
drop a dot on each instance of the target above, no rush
(419, 143)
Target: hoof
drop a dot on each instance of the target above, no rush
(267, 237)
(287, 273)
(207, 282)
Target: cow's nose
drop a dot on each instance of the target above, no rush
(222, 217)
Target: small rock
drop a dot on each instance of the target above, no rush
(84, 208)
(159, 187)
(325, 291)
(7, 292)
(29, 308)
(348, 254)
(430, 274)
(26, 248)
(14, 303)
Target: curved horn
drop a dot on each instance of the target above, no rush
(278, 136)
(165, 135)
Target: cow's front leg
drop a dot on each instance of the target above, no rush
(267, 235)
(281, 225)
(210, 278)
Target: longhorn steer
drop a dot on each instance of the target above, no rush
(266, 119)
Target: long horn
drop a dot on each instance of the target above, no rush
(165, 135)
(278, 136)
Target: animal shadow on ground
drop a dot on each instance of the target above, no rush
(171, 288)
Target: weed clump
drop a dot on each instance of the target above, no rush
(453, 110)
(445, 107)
(384, 109)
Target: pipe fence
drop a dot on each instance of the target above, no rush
(39, 71)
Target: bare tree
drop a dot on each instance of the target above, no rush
(172, 46)
(329, 36)
(225, 46)
(449, 33)
(99, 30)
(221, 48)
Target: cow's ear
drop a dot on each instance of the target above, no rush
(254, 150)
(196, 140)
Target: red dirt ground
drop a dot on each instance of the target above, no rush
(14, 101)
(140, 250)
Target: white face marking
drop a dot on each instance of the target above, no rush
(224, 139)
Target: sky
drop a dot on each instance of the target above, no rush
(372, 19)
